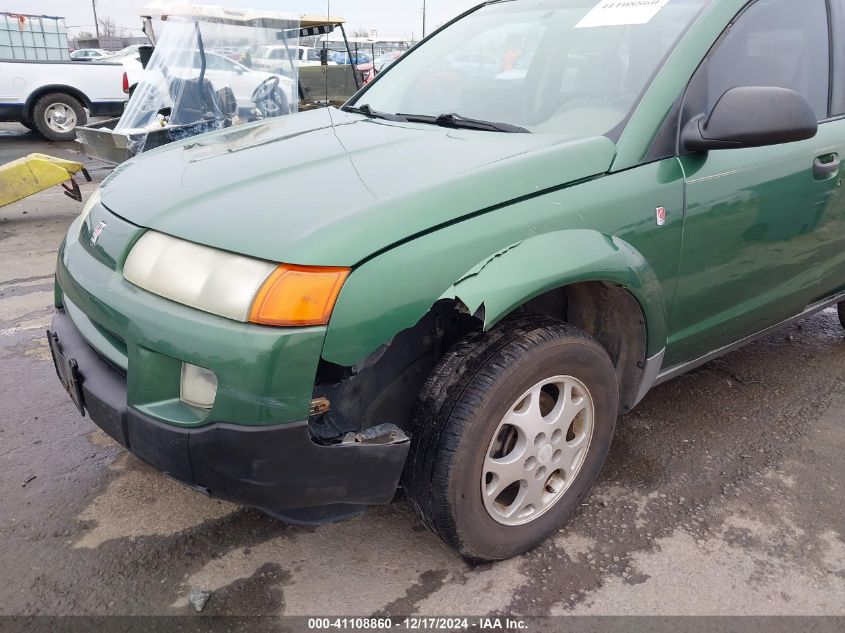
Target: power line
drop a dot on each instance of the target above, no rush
(96, 21)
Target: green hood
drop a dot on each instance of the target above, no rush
(330, 188)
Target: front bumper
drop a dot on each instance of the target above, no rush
(279, 469)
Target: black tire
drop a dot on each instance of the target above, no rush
(28, 125)
(460, 408)
(842, 313)
(42, 107)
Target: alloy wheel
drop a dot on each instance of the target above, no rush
(537, 450)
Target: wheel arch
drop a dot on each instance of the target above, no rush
(52, 88)
(593, 281)
(610, 314)
(524, 272)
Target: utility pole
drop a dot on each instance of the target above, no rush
(424, 12)
(96, 22)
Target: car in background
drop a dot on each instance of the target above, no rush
(89, 54)
(220, 71)
(244, 54)
(371, 70)
(230, 52)
(130, 59)
(131, 62)
(342, 58)
(243, 81)
(276, 58)
(383, 61)
(128, 51)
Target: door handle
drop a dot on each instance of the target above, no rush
(826, 167)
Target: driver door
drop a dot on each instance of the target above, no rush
(759, 223)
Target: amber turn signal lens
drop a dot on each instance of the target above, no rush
(295, 296)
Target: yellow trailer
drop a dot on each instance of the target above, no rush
(34, 173)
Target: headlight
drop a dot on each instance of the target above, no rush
(93, 199)
(233, 286)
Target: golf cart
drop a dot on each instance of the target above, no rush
(200, 77)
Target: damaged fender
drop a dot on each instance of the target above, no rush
(491, 288)
(508, 254)
(500, 284)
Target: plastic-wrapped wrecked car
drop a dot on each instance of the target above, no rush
(187, 85)
(182, 88)
(457, 282)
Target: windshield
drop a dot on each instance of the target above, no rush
(574, 67)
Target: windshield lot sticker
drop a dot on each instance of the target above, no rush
(621, 13)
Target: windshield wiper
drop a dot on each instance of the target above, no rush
(367, 111)
(462, 122)
(444, 120)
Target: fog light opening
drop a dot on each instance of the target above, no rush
(199, 386)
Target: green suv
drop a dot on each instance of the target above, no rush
(458, 281)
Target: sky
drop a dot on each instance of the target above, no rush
(391, 18)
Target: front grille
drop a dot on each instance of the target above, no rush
(119, 342)
(117, 369)
(109, 338)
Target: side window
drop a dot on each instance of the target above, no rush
(779, 43)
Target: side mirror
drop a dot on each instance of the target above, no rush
(752, 117)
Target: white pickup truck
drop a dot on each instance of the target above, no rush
(51, 97)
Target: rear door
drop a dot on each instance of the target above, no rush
(760, 224)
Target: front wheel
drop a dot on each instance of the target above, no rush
(842, 313)
(56, 116)
(511, 431)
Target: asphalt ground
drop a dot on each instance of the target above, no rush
(722, 495)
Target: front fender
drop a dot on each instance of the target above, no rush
(508, 279)
(394, 291)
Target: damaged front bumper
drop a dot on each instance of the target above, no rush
(279, 469)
